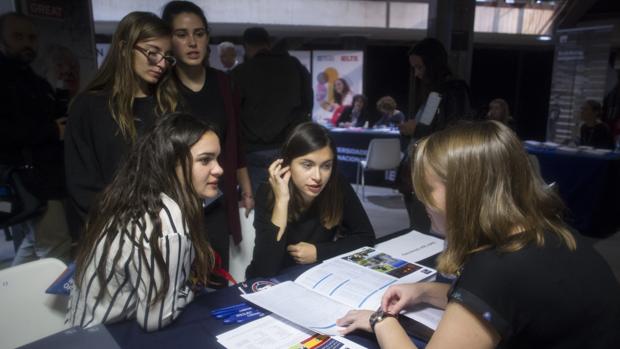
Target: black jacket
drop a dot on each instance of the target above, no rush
(28, 130)
(276, 95)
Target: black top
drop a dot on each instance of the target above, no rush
(545, 297)
(276, 95)
(270, 256)
(206, 104)
(95, 147)
(28, 130)
(347, 116)
(598, 136)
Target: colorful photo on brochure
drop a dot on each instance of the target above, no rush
(381, 262)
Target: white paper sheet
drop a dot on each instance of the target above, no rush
(412, 247)
(430, 108)
(271, 332)
(301, 306)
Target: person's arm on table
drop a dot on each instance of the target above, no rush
(401, 296)
(458, 328)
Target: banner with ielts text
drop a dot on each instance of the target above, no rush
(327, 68)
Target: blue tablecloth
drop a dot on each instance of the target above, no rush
(352, 147)
(588, 183)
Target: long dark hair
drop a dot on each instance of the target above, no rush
(304, 139)
(135, 192)
(338, 97)
(436, 68)
(117, 76)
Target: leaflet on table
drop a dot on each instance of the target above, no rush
(275, 332)
(327, 291)
(412, 247)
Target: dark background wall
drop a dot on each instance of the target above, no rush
(521, 76)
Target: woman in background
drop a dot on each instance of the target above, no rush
(499, 111)
(429, 61)
(130, 91)
(390, 116)
(207, 94)
(307, 212)
(593, 131)
(356, 115)
(523, 281)
(145, 249)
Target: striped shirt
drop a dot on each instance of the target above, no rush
(132, 282)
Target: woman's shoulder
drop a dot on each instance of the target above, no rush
(171, 216)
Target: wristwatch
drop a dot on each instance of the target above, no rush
(377, 317)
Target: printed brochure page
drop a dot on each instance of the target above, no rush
(329, 290)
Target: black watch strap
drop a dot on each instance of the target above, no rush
(377, 317)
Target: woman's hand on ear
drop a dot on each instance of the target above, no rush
(279, 177)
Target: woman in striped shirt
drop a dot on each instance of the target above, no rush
(144, 250)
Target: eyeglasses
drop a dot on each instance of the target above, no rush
(154, 57)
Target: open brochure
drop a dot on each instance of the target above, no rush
(277, 333)
(326, 292)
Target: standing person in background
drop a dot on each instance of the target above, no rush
(429, 61)
(307, 212)
(207, 94)
(390, 116)
(499, 111)
(228, 55)
(32, 128)
(276, 95)
(593, 131)
(145, 252)
(130, 91)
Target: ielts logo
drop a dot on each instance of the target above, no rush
(348, 58)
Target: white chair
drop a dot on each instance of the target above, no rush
(241, 255)
(28, 313)
(383, 154)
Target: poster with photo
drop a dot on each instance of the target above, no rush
(336, 77)
(66, 50)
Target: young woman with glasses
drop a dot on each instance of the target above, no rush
(128, 93)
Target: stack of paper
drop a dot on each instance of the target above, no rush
(274, 332)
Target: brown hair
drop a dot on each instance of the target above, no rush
(304, 139)
(491, 190)
(386, 104)
(117, 76)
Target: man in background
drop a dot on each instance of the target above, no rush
(31, 136)
(228, 55)
(276, 95)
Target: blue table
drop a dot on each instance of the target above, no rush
(589, 185)
(352, 146)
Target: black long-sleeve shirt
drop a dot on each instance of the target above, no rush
(28, 130)
(270, 256)
(276, 95)
(94, 145)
